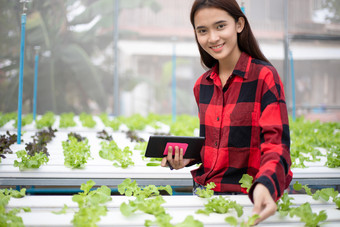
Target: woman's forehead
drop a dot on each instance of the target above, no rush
(210, 15)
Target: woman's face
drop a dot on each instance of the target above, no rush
(216, 32)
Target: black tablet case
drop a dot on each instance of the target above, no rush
(157, 145)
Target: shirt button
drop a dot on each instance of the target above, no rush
(218, 118)
(216, 143)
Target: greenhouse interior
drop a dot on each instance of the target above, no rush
(85, 86)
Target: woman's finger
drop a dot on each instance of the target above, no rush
(176, 156)
(267, 211)
(164, 162)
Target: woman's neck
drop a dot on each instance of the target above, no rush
(227, 66)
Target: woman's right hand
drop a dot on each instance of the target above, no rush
(177, 162)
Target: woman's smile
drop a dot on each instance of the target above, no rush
(217, 48)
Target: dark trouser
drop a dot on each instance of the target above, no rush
(196, 185)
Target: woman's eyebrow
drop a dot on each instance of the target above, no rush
(220, 21)
(217, 22)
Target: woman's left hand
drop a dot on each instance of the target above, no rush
(264, 205)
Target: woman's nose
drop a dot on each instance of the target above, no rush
(213, 37)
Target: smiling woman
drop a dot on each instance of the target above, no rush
(242, 110)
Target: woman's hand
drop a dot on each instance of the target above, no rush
(264, 205)
(178, 162)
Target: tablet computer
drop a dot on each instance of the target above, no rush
(158, 146)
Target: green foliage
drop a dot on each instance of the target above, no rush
(110, 151)
(307, 136)
(144, 203)
(221, 205)
(152, 206)
(306, 215)
(304, 212)
(87, 120)
(185, 125)
(231, 220)
(90, 203)
(66, 120)
(189, 221)
(114, 123)
(324, 194)
(246, 181)
(134, 122)
(4, 118)
(131, 188)
(10, 218)
(333, 157)
(284, 204)
(251, 221)
(76, 153)
(28, 161)
(26, 120)
(207, 192)
(47, 120)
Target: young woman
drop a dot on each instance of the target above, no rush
(242, 109)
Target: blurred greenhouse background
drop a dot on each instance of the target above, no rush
(82, 51)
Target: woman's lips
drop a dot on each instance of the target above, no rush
(217, 48)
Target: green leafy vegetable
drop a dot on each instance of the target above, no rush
(221, 205)
(87, 120)
(10, 218)
(325, 193)
(47, 120)
(207, 192)
(190, 222)
(284, 204)
(131, 188)
(111, 151)
(28, 161)
(4, 118)
(184, 125)
(307, 136)
(306, 215)
(90, 203)
(75, 135)
(114, 123)
(26, 120)
(251, 221)
(76, 153)
(66, 120)
(246, 181)
(231, 220)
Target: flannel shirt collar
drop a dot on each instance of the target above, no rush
(241, 69)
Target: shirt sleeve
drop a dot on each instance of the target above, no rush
(274, 171)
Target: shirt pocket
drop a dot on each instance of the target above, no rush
(242, 118)
(242, 129)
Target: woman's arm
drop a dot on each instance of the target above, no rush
(274, 172)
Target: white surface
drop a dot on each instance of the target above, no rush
(98, 168)
(179, 207)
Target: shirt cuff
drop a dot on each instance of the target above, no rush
(267, 183)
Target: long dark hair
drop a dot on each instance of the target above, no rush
(245, 39)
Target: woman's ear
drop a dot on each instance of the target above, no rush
(240, 24)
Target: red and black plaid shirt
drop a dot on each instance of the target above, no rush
(245, 124)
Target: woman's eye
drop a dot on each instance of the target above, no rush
(201, 31)
(220, 26)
